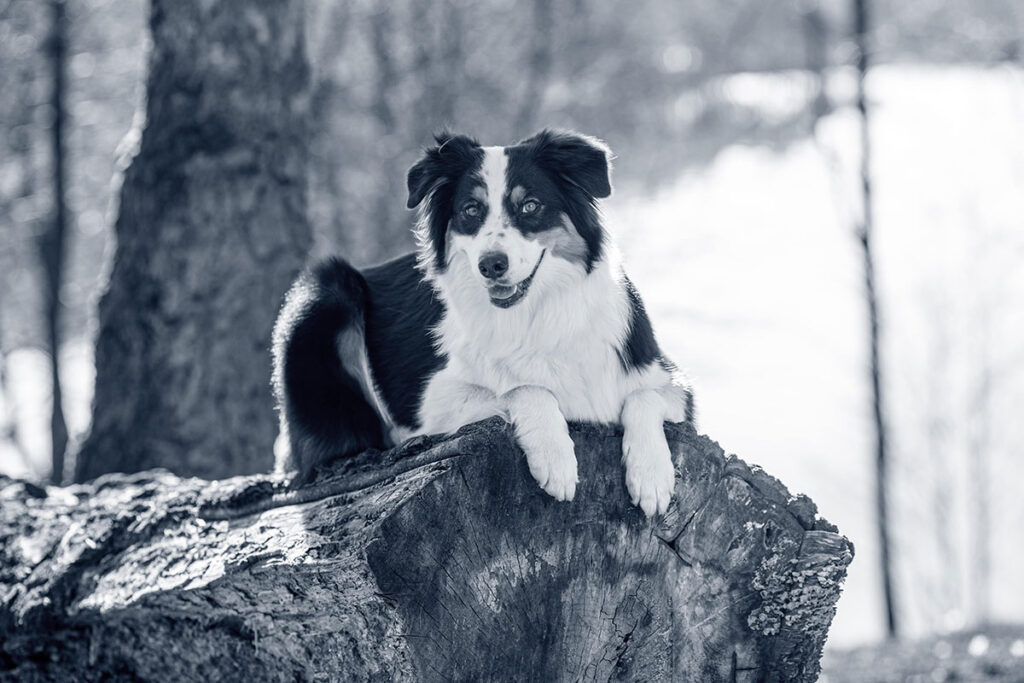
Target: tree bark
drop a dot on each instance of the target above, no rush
(458, 569)
(212, 229)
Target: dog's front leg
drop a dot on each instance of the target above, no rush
(650, 474)
(543, 434)
(452, 403)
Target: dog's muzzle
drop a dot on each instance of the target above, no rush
(506, 296)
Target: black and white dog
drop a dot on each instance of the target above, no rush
(515, 305)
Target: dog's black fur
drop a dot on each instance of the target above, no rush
(324, 408)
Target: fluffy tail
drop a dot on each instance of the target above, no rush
(320, 369)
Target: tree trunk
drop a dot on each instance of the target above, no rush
(816, 44)
(390, 234)
(53, 241)
(459, 568)
(864, 233)
(538, 67)
(212, 229)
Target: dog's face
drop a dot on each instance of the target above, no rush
(512, 212)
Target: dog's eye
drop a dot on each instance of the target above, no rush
(530, 206)
(471, 210)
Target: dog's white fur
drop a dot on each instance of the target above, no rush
(549, 358)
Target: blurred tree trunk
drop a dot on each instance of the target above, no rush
(815, 30)
(451, 66)
(538, 67)
(391, 234)
(53, 241)
(864, 238)
(328, 25)
(438, 66)
(211, 230)
(382, 27)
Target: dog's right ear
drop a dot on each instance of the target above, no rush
(443, 163)
(581, 160)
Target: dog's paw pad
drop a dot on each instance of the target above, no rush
(553, 465)
(650, 475)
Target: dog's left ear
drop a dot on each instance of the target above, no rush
(580, 159)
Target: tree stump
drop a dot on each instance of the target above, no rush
(460, 569)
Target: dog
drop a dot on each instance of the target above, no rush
(514, 304)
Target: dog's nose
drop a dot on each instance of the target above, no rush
(493, 265)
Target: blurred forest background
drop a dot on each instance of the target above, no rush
(737, 199)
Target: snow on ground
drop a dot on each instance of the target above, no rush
(753, 281)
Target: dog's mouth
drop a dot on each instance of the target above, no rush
(506, 296)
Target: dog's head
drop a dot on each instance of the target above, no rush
(512, 212)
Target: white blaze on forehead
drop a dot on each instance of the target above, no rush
(493, 172)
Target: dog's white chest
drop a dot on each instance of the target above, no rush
(568, 343)
(585, 376)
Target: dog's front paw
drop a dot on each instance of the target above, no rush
(552, 463)
(650, 474)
